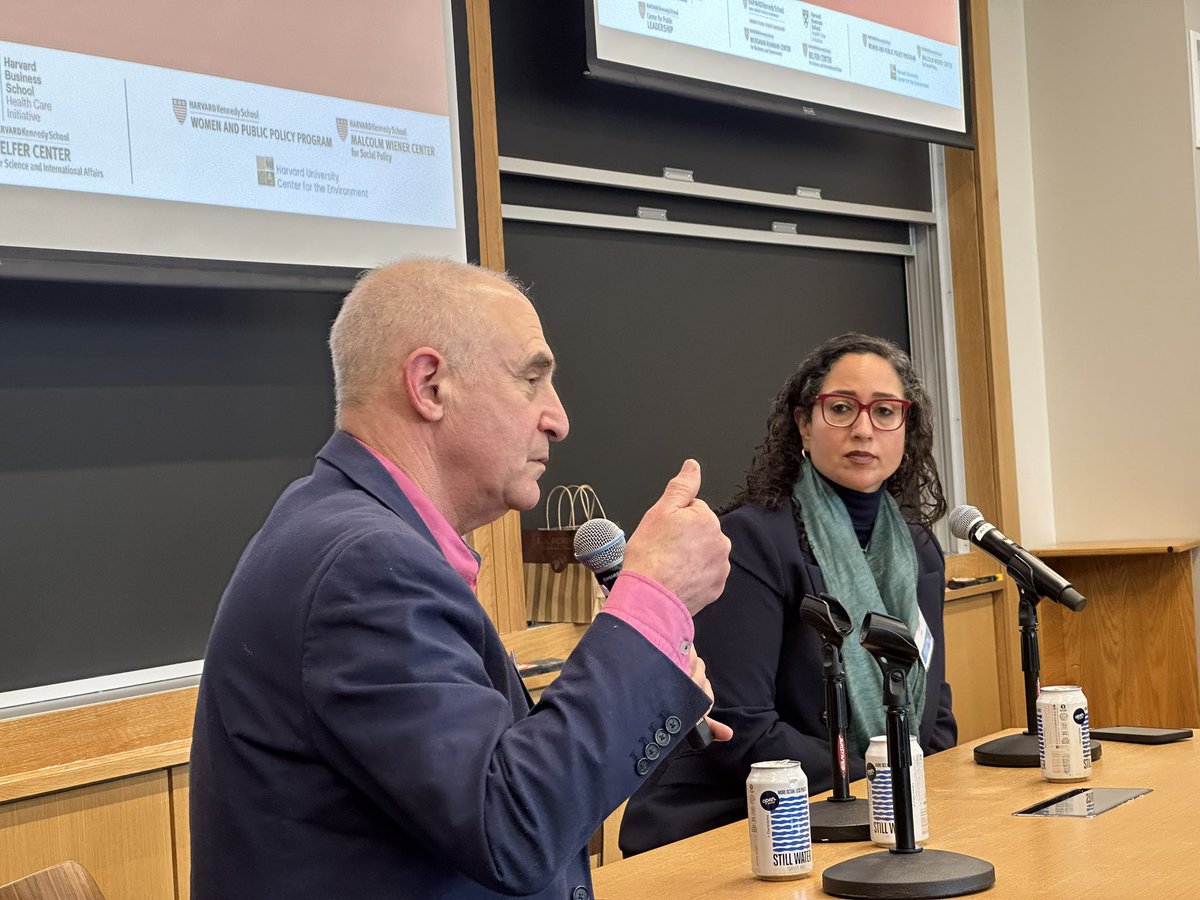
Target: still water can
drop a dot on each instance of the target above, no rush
(1064, 739)
(777, 810)
(879, 797)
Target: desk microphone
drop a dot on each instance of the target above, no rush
(967, 523)
(600, 546)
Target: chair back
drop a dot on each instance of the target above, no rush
(65, 881)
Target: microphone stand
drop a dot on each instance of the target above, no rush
(905, 870)
(842, 816)
(1021, 750)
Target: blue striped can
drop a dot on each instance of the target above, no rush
(1064, 738)
(879, 796)
(777, 810)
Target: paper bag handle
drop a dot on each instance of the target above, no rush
(582, 495)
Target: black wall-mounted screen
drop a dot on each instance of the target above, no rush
(893, 67)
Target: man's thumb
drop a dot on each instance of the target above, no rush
(683, 488)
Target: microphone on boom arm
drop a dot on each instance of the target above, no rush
(967, 523)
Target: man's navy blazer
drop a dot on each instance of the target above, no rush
(362, 733)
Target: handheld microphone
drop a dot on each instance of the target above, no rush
(600, 546)
(967, 523)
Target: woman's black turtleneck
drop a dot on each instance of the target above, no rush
(862, 508)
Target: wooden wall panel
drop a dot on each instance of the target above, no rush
(501, 583)
(611, 851)
(87, 744)
(120, 831)
(982, 336)
(1133, 648)
(545, 641)
(102, 729)
(487, 146)
(181, 834)
(501, 577)
(970, 666)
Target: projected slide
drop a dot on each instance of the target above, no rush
(901, 60)
(903, 48)
(91, 124)
(279, 106)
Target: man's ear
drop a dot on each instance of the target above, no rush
(424, 375)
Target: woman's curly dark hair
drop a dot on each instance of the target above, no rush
(776, 463)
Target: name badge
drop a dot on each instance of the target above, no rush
(924, 640)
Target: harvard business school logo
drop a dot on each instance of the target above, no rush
(343, 128)
(180, 107)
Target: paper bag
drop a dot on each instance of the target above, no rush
(557, 588)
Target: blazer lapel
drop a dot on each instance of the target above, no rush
(352, 459)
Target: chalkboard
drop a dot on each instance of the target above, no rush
(147, 433)
(671, 347)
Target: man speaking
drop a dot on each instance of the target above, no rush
(361, 731)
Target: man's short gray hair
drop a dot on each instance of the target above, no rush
(397, 308)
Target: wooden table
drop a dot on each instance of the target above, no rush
(1147, 848)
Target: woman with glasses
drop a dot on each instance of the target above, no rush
(839, 499)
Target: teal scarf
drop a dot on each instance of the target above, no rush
(881, 579)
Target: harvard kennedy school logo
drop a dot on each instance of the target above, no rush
(180, 107)
(343, 128)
